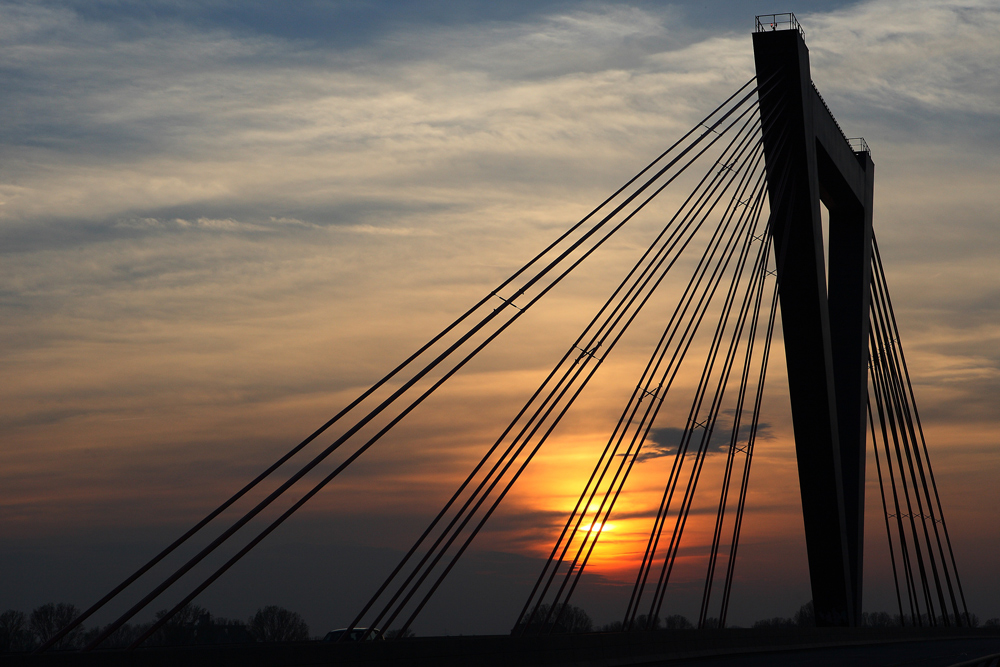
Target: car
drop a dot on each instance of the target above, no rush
(355, 635)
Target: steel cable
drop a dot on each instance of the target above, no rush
(605, 457)
(730, 460)
(634, 456)
(691, 420)
(908, 403)
(902, 451)
(876, 385)
(652, 545)
(885, 510)
(378, 384)
(751, 440)
(901, 410)
(592, 535)
(576, 346)
(503, 493)
(756, 284)
(427, 369)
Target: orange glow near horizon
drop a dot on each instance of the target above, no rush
(552, 485)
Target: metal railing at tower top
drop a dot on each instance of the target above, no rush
(859, 145)
(786, 21)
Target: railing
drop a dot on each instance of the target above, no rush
(856, 144)
(827, 107)
(787, 21)
(859, 145)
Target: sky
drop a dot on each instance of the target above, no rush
(220, 222)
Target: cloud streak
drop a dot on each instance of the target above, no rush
(219, 235)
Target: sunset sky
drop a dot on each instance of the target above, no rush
(220, 222)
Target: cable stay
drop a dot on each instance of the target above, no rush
(679, 239)
(597, 522)
(442, 354)
(632, 452)
(629, 416)
(933, 590)
(711, 415)
(673, 480)
(727, 305)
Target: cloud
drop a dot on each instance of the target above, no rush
(172, 115)
(215, 234)
(190, 176)
(241, 149)
(665, 440)
(932, 59)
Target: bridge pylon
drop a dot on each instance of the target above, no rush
(824, 318)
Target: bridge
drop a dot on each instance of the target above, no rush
(741, 249)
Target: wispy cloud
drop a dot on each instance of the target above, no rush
(666, 440)
(207, 229)
(148, 157)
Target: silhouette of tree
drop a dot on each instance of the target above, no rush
(672, 622)
(805, 617)
(277, 624)
(562, 618)
(48, 619)
(879, 619)
(992, 623)
(776, 622)
(196, 625)
(227, 631)
(180, 629)
(677, 622)
(14, 635)
(120, 638)
(642, 623)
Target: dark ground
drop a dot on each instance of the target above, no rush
(815, 647)
(934, 653)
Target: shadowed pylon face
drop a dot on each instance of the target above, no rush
(824, 322)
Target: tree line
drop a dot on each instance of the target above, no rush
(193, 624)
(805, 617)
(569, 618)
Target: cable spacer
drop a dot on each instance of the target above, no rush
(509, 302)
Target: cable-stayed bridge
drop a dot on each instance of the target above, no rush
(742, 244)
